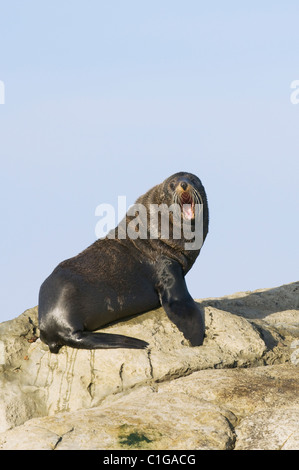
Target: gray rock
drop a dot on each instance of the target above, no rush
(130, 399)
(269, 430)
(210, 409)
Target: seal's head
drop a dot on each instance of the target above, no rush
(172, 206)
(186, 190)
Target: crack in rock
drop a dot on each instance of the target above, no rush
(60, 438)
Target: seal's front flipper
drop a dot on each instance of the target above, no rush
(89, 340)
(186, 315)
(179, 305)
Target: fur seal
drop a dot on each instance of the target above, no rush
(120, 276)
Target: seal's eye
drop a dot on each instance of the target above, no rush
(172, 185)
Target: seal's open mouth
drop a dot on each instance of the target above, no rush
(188, 198)
(186, 202)
(187, 205)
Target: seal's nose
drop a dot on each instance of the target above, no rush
(184, 185)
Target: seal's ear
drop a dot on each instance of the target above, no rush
(161, 194)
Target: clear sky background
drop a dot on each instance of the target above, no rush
(108, 98)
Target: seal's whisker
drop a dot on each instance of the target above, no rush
(197, 196)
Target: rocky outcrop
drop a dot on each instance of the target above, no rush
(237, 391)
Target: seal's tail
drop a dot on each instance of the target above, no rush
(88, 340)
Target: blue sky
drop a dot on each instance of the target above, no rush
(109, 98)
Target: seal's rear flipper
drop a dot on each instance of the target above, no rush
(88, 340)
